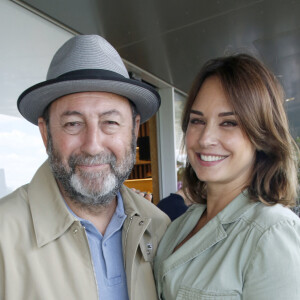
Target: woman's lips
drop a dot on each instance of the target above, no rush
(208, 160)
(211, 157)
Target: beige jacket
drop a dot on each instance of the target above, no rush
(44, 252)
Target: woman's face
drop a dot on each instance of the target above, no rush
(217, 148)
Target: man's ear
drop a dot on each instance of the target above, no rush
(137, 125)
(43, 130)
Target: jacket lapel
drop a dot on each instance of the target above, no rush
(136, 235)
(203, 240)
(50, 215)
(211, 234)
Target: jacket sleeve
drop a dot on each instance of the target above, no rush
(274, 270)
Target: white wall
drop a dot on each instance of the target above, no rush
(28, 43)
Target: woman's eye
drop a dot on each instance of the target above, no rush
(229, 123)
(196, 121)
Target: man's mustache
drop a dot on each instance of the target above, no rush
(88, 160)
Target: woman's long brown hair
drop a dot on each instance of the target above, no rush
(257, 99)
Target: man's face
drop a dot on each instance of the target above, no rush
(91, 145)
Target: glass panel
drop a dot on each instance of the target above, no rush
(180, 155)
(28, 45)
(21, 152)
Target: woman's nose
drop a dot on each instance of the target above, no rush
(208, 136)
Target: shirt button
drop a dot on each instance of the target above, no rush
(75, 231)
(141, 223)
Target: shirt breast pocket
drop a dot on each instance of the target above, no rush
(186, 293)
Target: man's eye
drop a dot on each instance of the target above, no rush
(111, 122)
(110, 126)
(72, 124)
(73, 127)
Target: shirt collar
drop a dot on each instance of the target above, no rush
(119, 209)
(50, 215)
(232, 212)
(236, 208)
(115, 224)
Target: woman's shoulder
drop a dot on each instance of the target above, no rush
(264, 217)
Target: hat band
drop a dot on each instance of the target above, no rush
(90, 74)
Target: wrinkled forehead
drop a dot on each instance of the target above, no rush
(89, 102)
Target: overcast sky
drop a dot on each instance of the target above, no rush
(21, 150)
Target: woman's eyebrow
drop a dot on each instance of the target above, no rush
(197, 112)
(222, 114)
(225, 114)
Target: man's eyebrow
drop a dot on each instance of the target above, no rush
(70, 113)
(110, 112)
(75, 112)
(222, 114)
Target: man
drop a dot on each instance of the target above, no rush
(75, 231)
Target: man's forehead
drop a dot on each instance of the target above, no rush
(96, 95)
(90, 101)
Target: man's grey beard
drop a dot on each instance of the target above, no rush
(91, 189)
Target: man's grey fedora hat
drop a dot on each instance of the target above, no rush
(87, 63)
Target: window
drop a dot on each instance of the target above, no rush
(21, 152)
(28, 45)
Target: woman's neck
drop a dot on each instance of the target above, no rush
(219, 196)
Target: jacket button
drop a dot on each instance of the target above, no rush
(141, 223)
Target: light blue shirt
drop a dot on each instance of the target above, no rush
(107, 256)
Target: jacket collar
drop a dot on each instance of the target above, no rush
(213, 232)
(133, 204)
(236, 208)
(232, 212)
(50, 215)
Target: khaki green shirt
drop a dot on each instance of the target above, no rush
(248, 251)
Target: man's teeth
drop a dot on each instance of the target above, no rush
(211, 158)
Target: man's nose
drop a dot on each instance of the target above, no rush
(92, 140)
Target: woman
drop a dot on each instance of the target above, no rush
(240, 240)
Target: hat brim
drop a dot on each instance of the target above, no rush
(34, 100)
